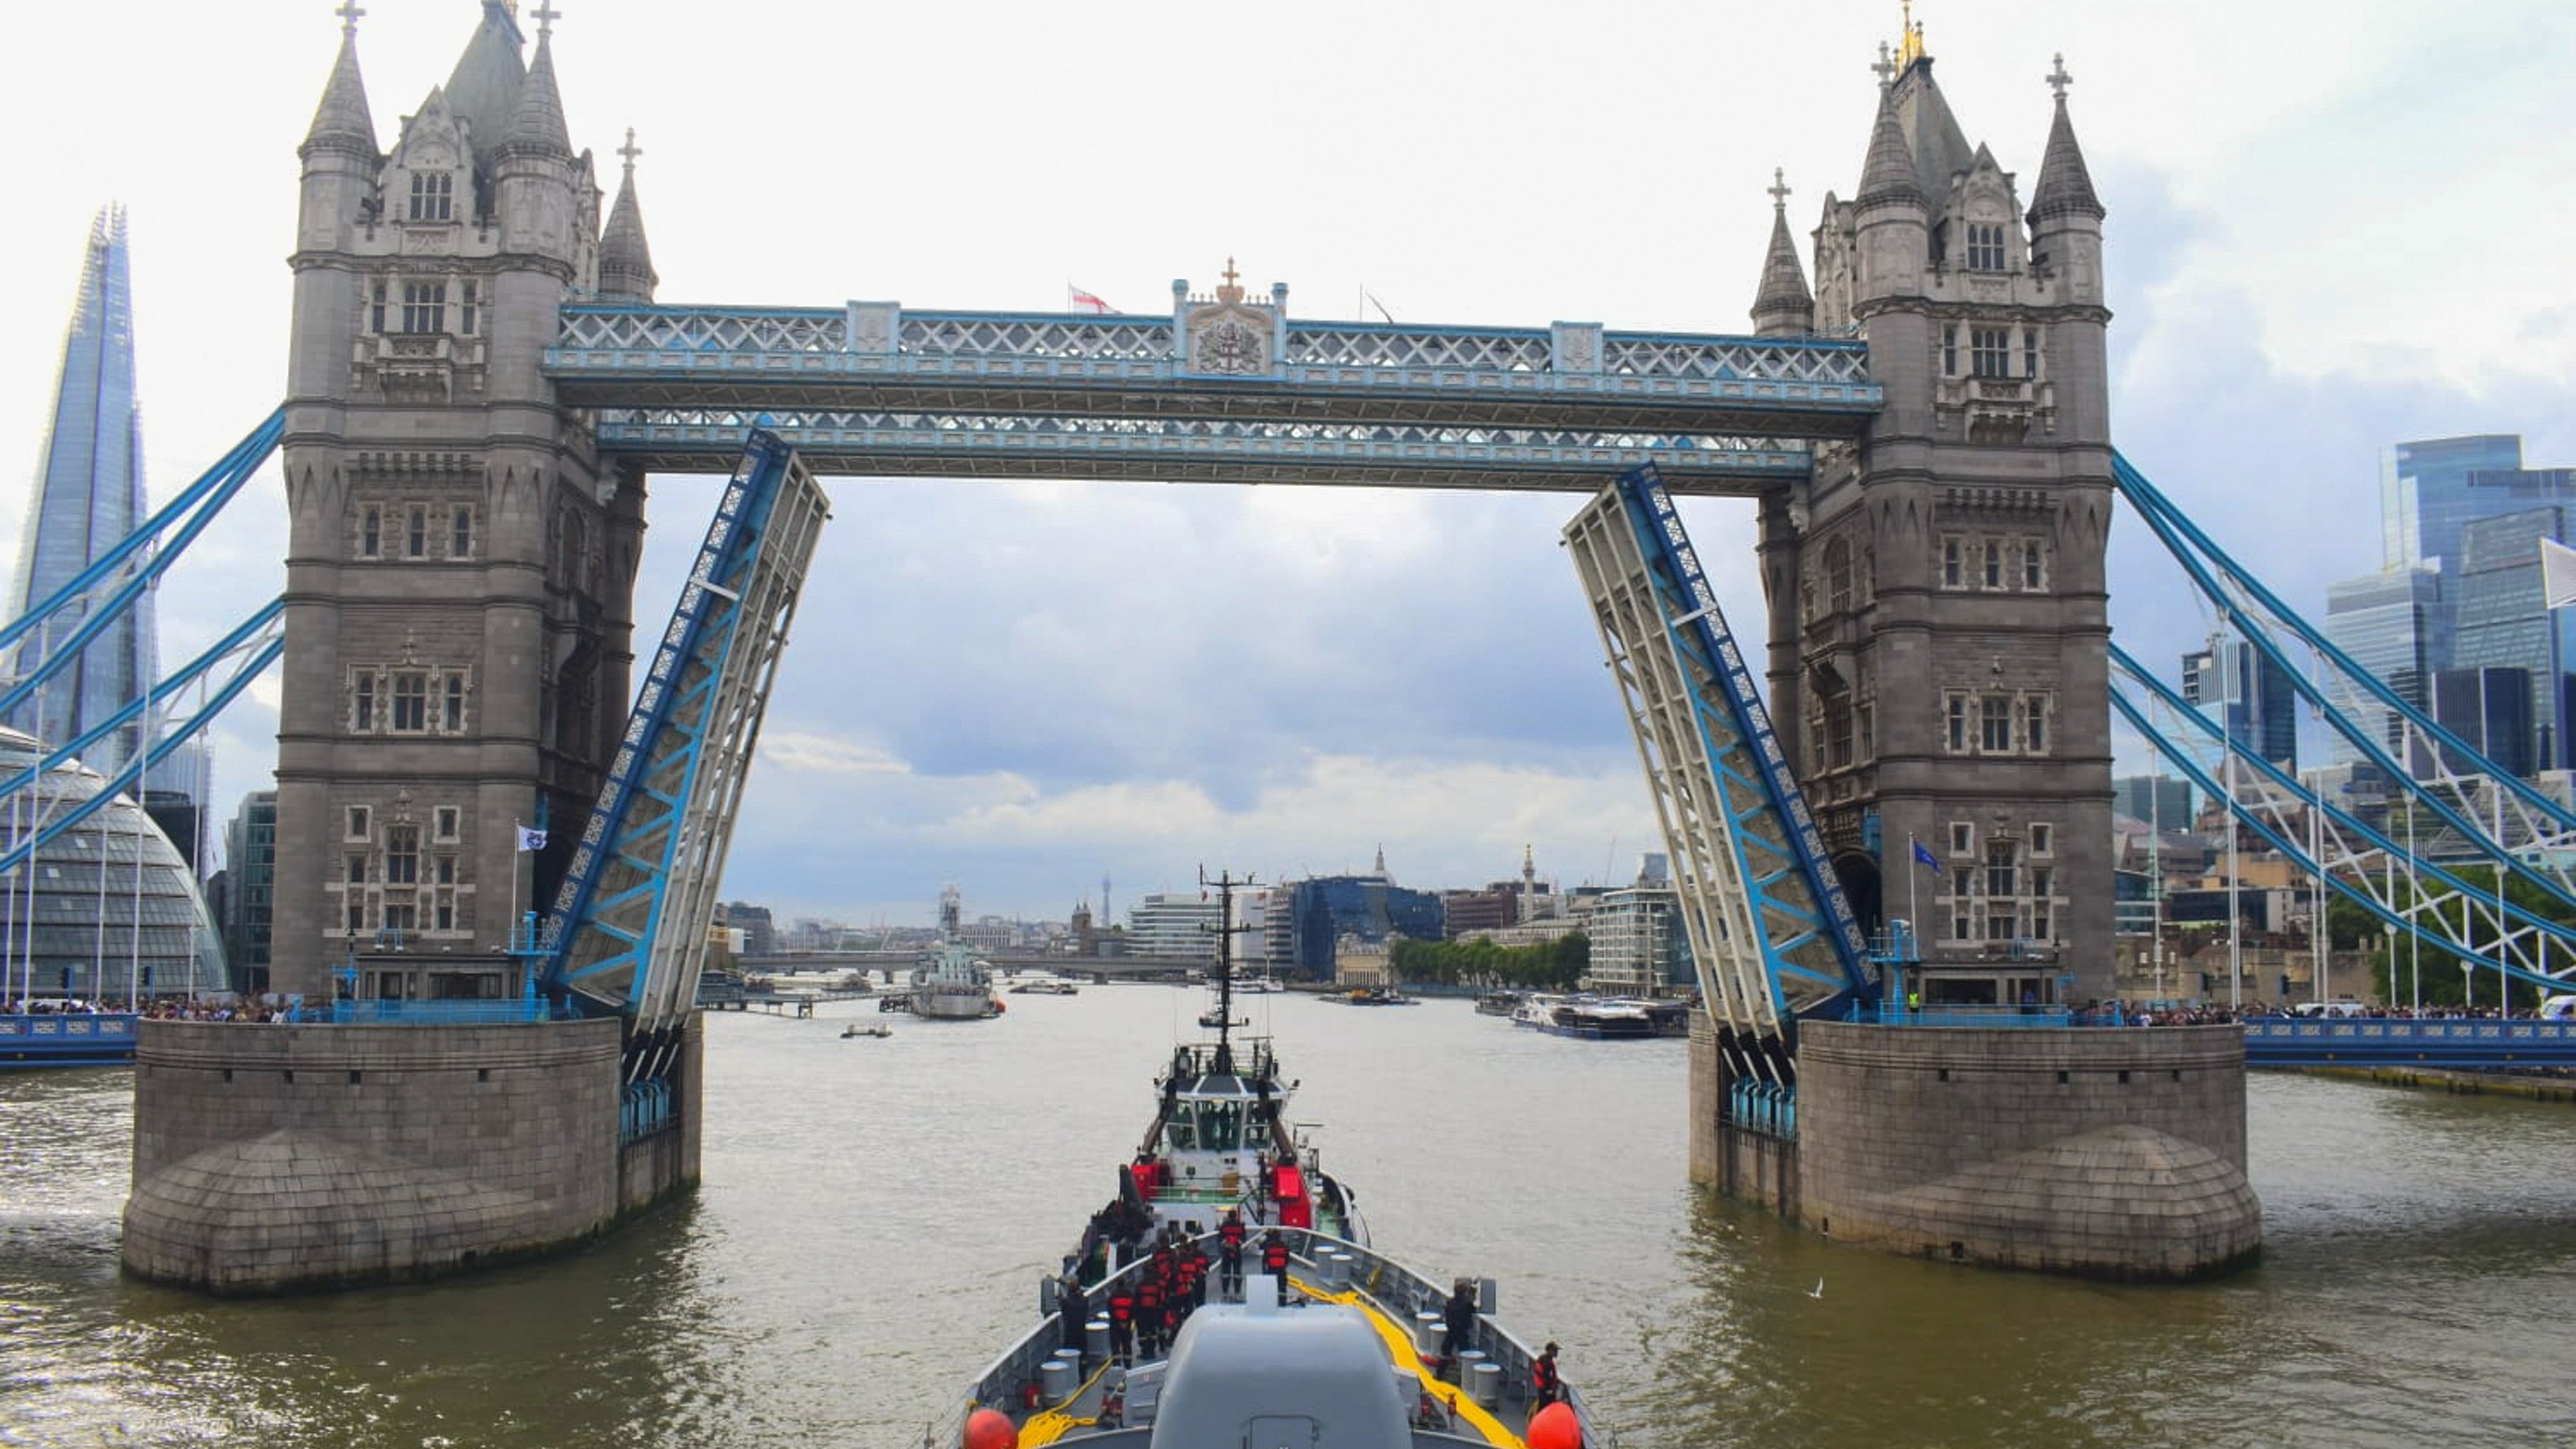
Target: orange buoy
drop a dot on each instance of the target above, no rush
(992, 1429)
(1553, 1427)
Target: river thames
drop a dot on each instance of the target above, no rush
(875, 1215)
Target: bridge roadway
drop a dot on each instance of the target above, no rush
(2465, 1043)
(871, 389)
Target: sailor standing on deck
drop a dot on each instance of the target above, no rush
(1230, 1251)
(1274, 1261)
(1458, 1322)
(1073, 1308)
(1546, 1384)
(1149, 1314)
(1122, 1322)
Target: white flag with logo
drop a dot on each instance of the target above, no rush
(531, 839)
(2557, 574)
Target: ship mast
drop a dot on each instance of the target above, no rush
(1225, 884)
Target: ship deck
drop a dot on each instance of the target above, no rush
(1327, 1270)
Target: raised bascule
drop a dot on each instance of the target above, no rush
(492, 896)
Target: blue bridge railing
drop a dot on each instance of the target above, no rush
(1961, 1016)
(430, 1013)
(2465, 1042)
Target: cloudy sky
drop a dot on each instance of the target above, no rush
(2332, 226)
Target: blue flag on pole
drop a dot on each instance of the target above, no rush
(1924, 857)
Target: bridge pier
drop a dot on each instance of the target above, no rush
(2094, 1152)
(274, 1159)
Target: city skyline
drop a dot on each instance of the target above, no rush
(1355, 667)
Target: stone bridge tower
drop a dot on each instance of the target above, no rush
(1936, 591)
(460, 567)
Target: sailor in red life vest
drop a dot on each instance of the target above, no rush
(1122, 1323)
(1149, 1315)
(1546, 1384)
(1274, 1261)
(1230, 1255)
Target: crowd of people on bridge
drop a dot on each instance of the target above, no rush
(2171, 1013)
(57, 1006)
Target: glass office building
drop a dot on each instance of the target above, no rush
(2245, 693)
(88, 497)
(105, 910)
(2430, 488)
(1323, 909)
(2500, 621)
(2397, 625)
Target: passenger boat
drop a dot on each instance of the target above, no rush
(1343, 1349)
(953, 985)
(1371, 996)
(1044, 986)
(1585, 1016)
(879, 1031)
(1498, 1003)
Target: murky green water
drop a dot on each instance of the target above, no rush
(875, 1213)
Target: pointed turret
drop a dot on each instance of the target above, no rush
(2065, 187)
(483, 90)
(1782, 307)
(1888, 174)
(625, 258)
(537, 126)
(343, 121)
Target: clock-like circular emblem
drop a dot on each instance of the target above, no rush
(1230, 347)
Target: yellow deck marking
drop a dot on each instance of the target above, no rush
(1399, 1346)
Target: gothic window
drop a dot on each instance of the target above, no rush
(376, 308)
(424, 307)
(1838, 733)
(468, 303)
(401, 917)
(445, 820)
(1994, 723)
(1950, 350)
(433, 196)
(357, 870)
(446, 913)
(416, 532)
(451, 708)
(360, 819)
(371, 531)
(460, 538)
(1866, 720)
(1994, 570)
(1953, 569)
(2039, 840)
(1838, 576)
(1958, 724)
(362, 703)
(356, 918)
(2033, 553)
(1990, 351)
(1985, 246)
(447, 870)
(2003, 876)
(402, 855)
(411, 702)
(2030, 352)
(1963, 838)
(2039, 922)
(2034, 733)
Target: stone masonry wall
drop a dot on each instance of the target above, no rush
(269, 1158)
(2118, 1153)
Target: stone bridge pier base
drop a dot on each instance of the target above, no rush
(2112, 1153)
(281, 1158)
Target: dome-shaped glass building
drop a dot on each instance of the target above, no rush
(103, 911)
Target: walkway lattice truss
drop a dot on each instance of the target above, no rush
(1772, 933)
(629, 928)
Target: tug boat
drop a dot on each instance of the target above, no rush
(1342, 1348)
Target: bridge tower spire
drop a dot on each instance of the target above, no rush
(1937, 622)
(460, 565)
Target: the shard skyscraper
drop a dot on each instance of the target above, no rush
(88, 496)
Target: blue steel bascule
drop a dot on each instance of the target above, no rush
(628, 930)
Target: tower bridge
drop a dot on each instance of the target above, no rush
(481, 379)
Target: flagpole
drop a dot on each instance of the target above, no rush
(1913, 886)
(510, 933)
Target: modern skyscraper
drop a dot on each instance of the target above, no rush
(2396, 624)
(88, 497)
(2501, 622)
(2247, 695)
(2432, 489)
